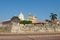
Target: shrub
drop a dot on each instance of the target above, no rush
(25, 22)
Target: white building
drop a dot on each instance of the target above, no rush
(21, 16)
(32, 18)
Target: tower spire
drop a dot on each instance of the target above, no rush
(21, 16)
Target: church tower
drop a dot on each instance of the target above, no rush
(21, 16)
(30, 17)
(34, 19)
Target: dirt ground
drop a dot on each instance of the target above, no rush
(39, 36)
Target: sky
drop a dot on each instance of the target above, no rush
(39, 8)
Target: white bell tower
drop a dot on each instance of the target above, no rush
(21, 16)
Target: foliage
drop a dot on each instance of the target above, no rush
(15, 19)
(25, 22)
(53, 16)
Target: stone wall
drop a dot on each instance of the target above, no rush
(19, 28)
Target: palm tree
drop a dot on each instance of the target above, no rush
(53, 16)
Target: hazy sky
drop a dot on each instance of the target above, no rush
(39, 8)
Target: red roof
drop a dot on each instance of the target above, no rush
(40, 23)
(6, 22)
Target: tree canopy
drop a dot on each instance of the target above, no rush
(53, 16)
(25, 22)
(15, 19)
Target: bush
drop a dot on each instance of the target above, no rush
(25, 22)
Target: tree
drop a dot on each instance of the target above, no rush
(15, 19)
(25, 22)
(53, 16)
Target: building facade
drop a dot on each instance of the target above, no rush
(32, 18)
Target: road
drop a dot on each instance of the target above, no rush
(39, 36)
